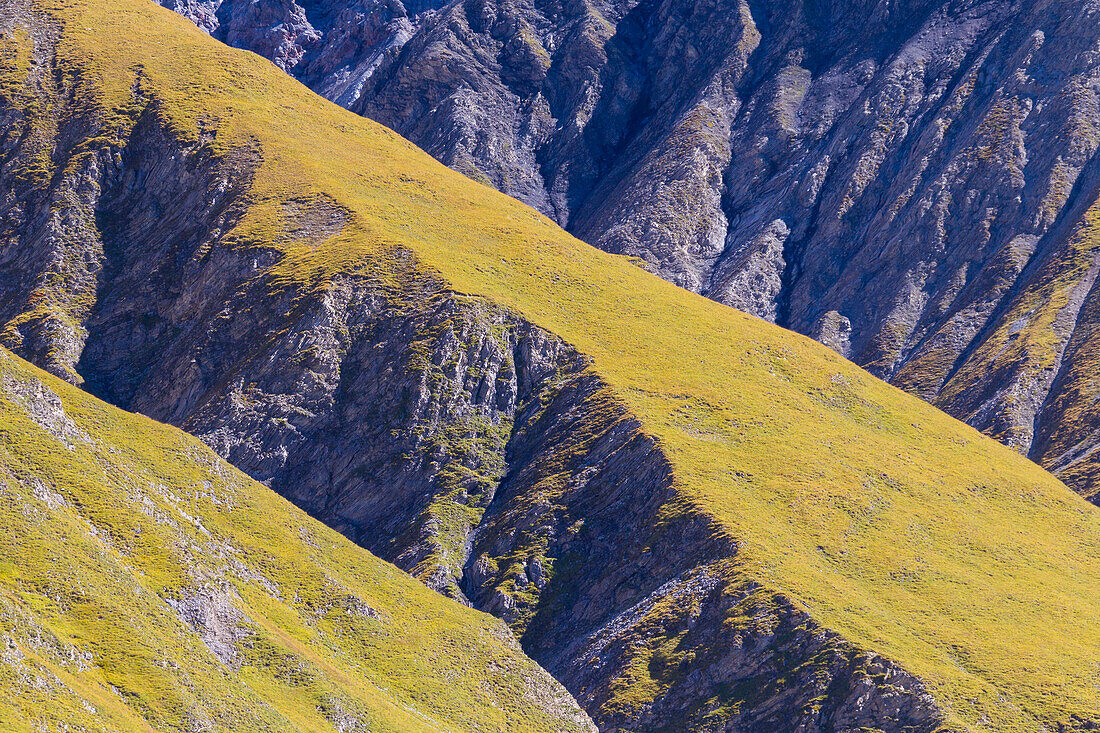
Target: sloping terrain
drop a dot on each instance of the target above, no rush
(690, 517)
(912, 183)
(145, 584)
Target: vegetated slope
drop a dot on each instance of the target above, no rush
(912, 183)
(693, 519)
(145, 584)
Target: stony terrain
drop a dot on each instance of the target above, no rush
(908, 182)
(691, 523)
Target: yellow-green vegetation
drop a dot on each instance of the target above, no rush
(460, 503)
(897, 526)
(145, 584)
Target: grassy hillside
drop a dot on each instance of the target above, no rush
(902, 529)
(145, 584)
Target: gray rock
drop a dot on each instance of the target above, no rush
(835, 331)
(45, 409)
(216, 619)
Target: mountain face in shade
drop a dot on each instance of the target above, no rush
(911, 183)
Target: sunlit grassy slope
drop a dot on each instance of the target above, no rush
(897, 526)
(108, 521)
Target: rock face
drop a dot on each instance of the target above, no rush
(468, 446)
(910, 182)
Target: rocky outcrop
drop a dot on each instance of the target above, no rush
(710, 630)
(919, 171)
(217, 620)
(470, 447)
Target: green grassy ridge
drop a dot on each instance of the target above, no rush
(105, 523)
(893, 524)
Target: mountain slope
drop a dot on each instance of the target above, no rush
(909, 182)
(689, 516)
(145, 584)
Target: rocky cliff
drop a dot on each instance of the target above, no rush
(910, 183)
(686, 515)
